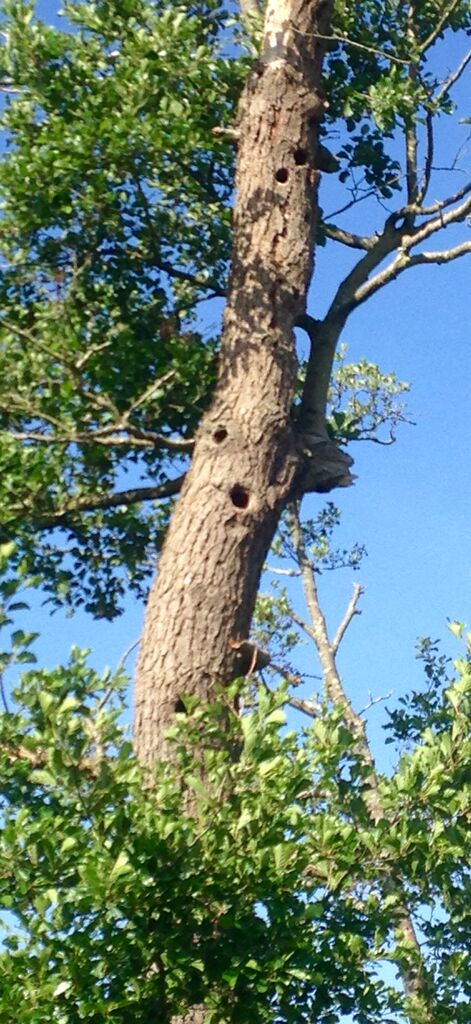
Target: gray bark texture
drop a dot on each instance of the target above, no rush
(248, 460)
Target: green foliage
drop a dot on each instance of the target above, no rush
(363, 401)
(265, 900)
(115, 223)
(372, 87)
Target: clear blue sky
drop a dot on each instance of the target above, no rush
(411, 502)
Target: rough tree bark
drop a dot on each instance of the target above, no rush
(249, 458)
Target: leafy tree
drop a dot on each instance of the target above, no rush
(264, 875)
(276, 892)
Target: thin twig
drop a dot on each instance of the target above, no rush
(453, 78)
(120, 665)
(352, 610)
(282, 572)
(424, 186)
(358, 46)
(3, 695)
(374, 700)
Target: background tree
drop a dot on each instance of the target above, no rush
(114, 230)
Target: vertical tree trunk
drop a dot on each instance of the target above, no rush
(246, 456)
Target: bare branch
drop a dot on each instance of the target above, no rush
(453, 78)
(443, 256)
(124, 657)
(442, 204)
(106, 436)
(412, 980)
(359, 46)
(455, 216)
(318, 632)
(121, 663)
(92, 351)
(345, 298)
(360, 199)
(338, 234)
(349, 614)
(144, 397)
(290, 677)
(403, 260)
(282, 572)
(375, 700)
(424, 186)
(3, 695)
(306, 706)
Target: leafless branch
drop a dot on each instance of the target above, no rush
(3, 695)
(349, 614)
(336, 693)
(282, 572)
(318, 632)
(442, 204)
(455, 216)
(403, 260)
(307, 707)
(338, 234)
(124, 657)
(410, 133)
(144, 397)
(128, 436)
(286, 674)
(374, 700)
(424, 185)
(358, 199)
(359, 46)
(441, 256)
(121, 663)
(453, 78)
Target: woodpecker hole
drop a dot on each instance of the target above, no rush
(300, 157)
(281, 175)
(180, 708)
(220, 435)
(239, 496)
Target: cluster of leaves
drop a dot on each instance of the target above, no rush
(115, 224)
(381, 81)
(250, 877)
(363, 400)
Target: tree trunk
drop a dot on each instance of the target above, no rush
(246, 457)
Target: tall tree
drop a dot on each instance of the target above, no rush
(113, 230)
(249, 458)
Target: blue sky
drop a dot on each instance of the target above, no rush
(410, 504)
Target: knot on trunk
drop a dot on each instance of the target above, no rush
(324, 466)
(248, 657)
